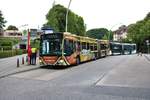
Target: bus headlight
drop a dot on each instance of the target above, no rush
(61, 62)
(40, 61)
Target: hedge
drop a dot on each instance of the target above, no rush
(10, 53)
(6, 48)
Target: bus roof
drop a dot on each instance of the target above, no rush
(79, 38)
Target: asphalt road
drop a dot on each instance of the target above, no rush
(124, 77)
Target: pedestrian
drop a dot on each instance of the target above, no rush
(33, 58)
(140, 53)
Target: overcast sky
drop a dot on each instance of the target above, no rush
(96, 13)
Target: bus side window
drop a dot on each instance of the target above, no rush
(83, 45)
(91, 46)
(88, 46)
(95, 47)
(68, 47)
(74, 46)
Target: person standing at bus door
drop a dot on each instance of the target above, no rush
(140, 53)
(33, 58)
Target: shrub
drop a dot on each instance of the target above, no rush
(9, 53)
(19, 52)
(6, 47)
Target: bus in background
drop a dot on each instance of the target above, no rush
(129, 48)
(134, 48)
(67, 49)
(122, 48)
(116, 48)
(126, 48)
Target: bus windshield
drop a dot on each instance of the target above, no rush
(51, 44)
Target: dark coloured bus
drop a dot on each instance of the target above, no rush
(122, 48)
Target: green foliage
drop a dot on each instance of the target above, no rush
(6, 47)
(9, 53)
(25, 32)
(4, 54)
(2, 20)
(35, 43)
(126, 40)
(12, 27)
(140, 31)
(97, 33)
(7, 43)
(19, 52)
(56, 18)
(9, 39)
(108, 36)
(147, 17)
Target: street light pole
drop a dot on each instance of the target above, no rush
(111, 29)
(67, 16)
(109, 35)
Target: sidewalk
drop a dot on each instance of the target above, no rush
(20, 70)
(8, 66)
(147, 56)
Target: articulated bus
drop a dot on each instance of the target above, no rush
(116, 48)
(133, 48)
(122, 48)
(68, 49)
(103, 48)
(129, 48)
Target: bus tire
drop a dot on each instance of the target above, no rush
(78, 60)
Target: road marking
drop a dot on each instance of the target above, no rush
(147, 57)
(101, 77)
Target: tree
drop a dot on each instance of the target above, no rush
(97, 33)
(56, 18)
(140, 32)
(147, 17)
(108, 36)
(12, 27)
(2, 21)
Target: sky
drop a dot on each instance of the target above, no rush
(108, 14)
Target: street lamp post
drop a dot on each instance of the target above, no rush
(109, 34)
(67, 16)
(111, 29)
(25, 25)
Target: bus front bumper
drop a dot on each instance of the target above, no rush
(59, 62)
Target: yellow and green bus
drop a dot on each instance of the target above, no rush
(68, 49)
